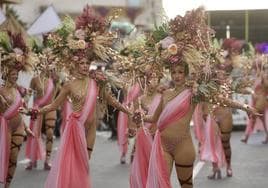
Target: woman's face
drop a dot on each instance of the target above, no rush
(178, 75)
(83, 67)
(13, 76)
(153, 82)
(54, 74)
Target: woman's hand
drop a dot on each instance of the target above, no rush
(128, 110)
(24, 111)
(138, 116)
(30, 112)
(30, 91)
(29, 132)
(252, 111)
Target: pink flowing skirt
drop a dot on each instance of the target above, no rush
(70, 168)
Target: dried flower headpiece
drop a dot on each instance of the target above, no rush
(42, 57)
(86, 38)
(187, 41)
(14, 52)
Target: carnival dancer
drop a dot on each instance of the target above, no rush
(14, 58)
(212, 149)
(172, 142)
(148, 102)
(259, 101)
(217, 147)
(259, 71)
(131, 92)
(89, 41)
(123, 121)
(44, 91)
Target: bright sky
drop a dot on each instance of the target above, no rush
(175, 7)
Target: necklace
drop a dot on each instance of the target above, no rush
(78, 94)
(10, 92)
(175, 92)
(79, 76)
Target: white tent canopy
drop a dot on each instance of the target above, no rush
(2, 17)
(46, 22)
(173, 8)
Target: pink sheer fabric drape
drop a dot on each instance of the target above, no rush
(4, 141)
(34, 149)
(211, 148)
(144, 140)
(122, 121)
(257, 124)
(158, 175)
(199, 123)
(70, 167)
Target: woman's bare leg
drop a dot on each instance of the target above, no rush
(265, 129)
(17, 138)
(169, 161)
(225, 139)
(184, 160)
(90, 137)
(50, 120)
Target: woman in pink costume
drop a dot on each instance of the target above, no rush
(259, 94)
(123, 121)
(219, 122)
(149, 102)
(212, 149)
(259, 101)
(45, 91)
(13, 59)
(71, 165)
(172, 141)
(76, 148)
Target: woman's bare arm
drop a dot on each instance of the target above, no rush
(58, 101)
(153, 118)
(235, 104)
(113, 102)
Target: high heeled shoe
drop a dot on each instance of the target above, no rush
(123, 160)
(47, 166)
(229, 172)
(31, 165)
(245, 140)
(215, 175)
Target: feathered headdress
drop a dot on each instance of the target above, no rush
(86, 38)
(143, 59)
(42, 57)
(187, 41)
(14, 52)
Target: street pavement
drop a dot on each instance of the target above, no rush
(250, 167)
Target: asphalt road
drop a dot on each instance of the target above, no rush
(250, 167)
